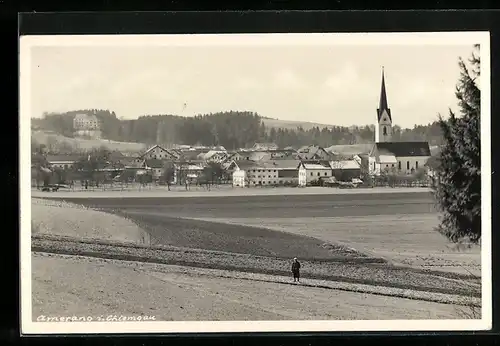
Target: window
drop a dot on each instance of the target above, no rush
(318, 174)
(416, 164)
(399, 165)
(374, 166)
(254, 170)
(311, 174)
(392, 165)
(274, 171)
(385, 130)
(386, 166)
(407, 164)
(326, 173)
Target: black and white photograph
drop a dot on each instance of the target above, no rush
(255, 183)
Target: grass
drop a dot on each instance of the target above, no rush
(357, 273)
(87, 144)
(404, 239)
(65, 219)
(237, 238)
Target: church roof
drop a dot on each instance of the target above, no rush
(400, 149)
(383, 105)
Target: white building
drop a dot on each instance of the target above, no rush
(239, 178)
(314, 171)
(394, 157)
(86, 125)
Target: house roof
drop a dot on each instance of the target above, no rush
(345, 164)
(387, 159)
(314, 166)
(400, 149)
(61, 158)
(154, 163)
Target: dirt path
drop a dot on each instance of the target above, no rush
(94, 287)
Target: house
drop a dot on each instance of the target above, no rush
(155, 166)
(313, 152)
(346, 170)
(63, 161)
(265, 146)
(158, 152)
(217, 156)
(239, 178)
(187, 171)
(264, 173)
(395, 157)
(86, 125)
(398, 157)
(311, 172)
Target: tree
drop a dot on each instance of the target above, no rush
(168, 173)
(457, 187)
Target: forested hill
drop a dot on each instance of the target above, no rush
(232, 129)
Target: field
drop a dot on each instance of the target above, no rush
(87, 144)
(291, 125)
(377, 243)
(78, 286)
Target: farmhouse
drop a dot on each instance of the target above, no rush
(265, 146)
(62, 161)
(155, 166)
(346, 170)
(395, 157)
(314, 172)
(313, 152)
(157, 152)
(278, 172)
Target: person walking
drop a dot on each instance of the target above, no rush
(296, 270)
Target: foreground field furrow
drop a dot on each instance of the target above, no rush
(88, 286)
(381, 275)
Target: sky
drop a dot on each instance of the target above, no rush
(327, 84)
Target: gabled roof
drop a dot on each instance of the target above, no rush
(400, 149)
(60, 158)
(345, 164)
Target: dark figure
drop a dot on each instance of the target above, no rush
(296, 270)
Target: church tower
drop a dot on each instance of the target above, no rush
(383, 127)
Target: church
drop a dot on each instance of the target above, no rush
(394, 157)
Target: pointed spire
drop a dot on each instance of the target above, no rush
(383, 106)
(383, 95)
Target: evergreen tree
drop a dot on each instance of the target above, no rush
(458, 178)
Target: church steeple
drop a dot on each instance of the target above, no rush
(383, 130)
(383, 99)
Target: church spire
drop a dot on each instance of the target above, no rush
(383, 99)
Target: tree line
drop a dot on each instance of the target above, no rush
(232, 129)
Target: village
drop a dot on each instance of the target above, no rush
(387, 163)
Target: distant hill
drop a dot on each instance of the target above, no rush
(351, 149)
(77, 144)
(291, 124)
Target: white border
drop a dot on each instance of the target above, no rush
(443, 38)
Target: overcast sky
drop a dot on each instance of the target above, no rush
(338, 85)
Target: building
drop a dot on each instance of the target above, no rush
(239, 178)
(85, 122)
(313, 172)
(155, 166)
(86, 125)
(313, 152)
(267, 173)
(393, 157)
(63, 161)
(265, 146)
(346, 170)
(158, 152)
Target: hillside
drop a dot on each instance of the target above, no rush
(78, 144)
(291, 124)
